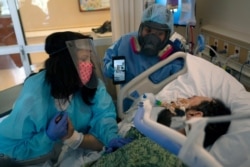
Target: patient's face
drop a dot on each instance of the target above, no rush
(185, 104)
(192, 102)
(196, 100)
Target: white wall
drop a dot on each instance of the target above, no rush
(231, 14)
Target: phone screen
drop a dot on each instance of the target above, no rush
(119, 65)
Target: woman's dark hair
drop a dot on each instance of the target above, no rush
(61, 72)
(213, 130)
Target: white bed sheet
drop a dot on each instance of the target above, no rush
(206, 79)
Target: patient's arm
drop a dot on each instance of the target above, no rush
(90, 142)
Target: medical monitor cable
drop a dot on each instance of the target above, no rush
(241, 69)
(201, 45)
(228, 58)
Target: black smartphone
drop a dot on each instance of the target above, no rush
(59, 117)
(119, 64)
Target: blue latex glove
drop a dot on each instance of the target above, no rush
(58, 126)
(116, 143)
(110, 69)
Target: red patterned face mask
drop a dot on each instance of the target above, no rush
(85, 71)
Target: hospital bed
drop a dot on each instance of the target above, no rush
(202, 78)
(198, 77)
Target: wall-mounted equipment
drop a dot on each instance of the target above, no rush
(184, 11)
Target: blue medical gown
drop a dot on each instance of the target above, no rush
(136, 63)
(23, 132)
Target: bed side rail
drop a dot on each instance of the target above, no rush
(142, 84)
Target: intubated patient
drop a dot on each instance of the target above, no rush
(145, 152)
(197, 106)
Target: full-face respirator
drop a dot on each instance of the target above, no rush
(151, 44)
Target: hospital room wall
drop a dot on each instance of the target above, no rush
(61, 14)
(227, 21)
(230, 14)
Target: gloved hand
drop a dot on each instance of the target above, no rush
(58, 126)
(110, 69)
(116, 143)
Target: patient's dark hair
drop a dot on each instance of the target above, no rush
(164, 117)
(209, 108)
(213, 130)
(61, 72)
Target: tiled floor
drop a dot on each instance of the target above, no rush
(11, 75)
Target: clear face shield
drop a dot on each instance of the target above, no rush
(86, 61)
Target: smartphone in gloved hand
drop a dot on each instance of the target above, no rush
(119, 64)
(58, 126)
(58, 118)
